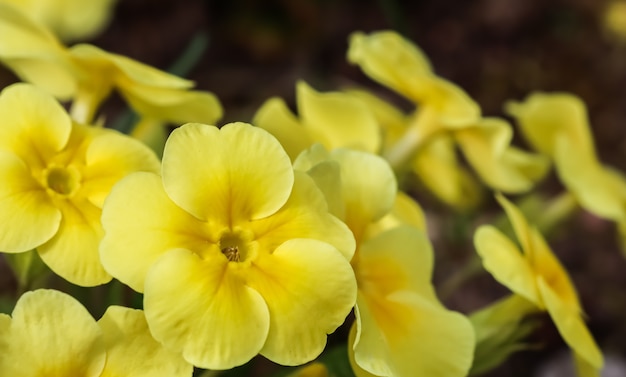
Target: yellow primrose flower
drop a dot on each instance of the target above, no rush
(333, 119)
(69, 19)
(557, 124)
(445, 117)
(401, 328)
(88, 75)
(236, 254)
(55, 175)
(538, 276)
(52, 334)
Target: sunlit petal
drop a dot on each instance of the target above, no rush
(141, 224)
(28, 214)
(131, 350)
(238, 172)
(503, 259)
(203, 310)
(309, 288)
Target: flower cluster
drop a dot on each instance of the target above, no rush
(262, 238)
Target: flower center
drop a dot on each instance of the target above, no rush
(64, 181)
(237, 245)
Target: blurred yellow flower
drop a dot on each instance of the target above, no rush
(55, 175)
(557, 124)
(68, 19)
(236, 254)
(401, 328)
(52, 334)
(333, 119)
(445, 117)
(88, 75)
(614, 19)
(538, 276)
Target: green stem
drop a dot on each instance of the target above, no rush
(472, 268)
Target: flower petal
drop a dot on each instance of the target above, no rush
(73, 251)
(52, 334)
(405, 211)
(503, 259)
(275, 117)
(309, 288)
(543, 117)
(29, 216)
(503, 167)
(437, 166)
(141, 224)
(203, 310)
(238, 172)
(520, 225)
(391, 60)
(392, 331)
(338, 120)
(110, 157)
(305, 215)
(570, 326)
(35, 126)
(131, 350)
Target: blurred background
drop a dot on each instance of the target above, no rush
(246, 51)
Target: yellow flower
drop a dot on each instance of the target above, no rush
(236, 254)
(69, 19)
(538, 276)
(446, 116)
(401, 328)
(52, 334)
(55, 175)
(557, 124)
(614, 19)
(333, 119)
(88, 75)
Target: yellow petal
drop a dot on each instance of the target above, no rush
(110, 157)
(201, 309)
(443, 340)
(503, 167)
(368, 187)
(173, 105)
(338, 120)
(520, 225)
(34, 54)
(570, 326)
(236, 173)
(502, 258)
(405, 211)
(304, 215)
(52, 334)
(35, 126)
(391, 60)
(396, 260)
(131, 350)
(29, 216)
(437, 166)
(326, 173)
(543, 117)
(392, 121)
(275, 117)
(314, 369)
(309, 288)
(599, 189)
(141, 224)
(73, 251)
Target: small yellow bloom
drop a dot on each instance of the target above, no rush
(401, 328)
(52, 334)
(538, 276)
(236, 254)
(615, 19)
(55, 175)
(557, 124)
(445, 117)
(68, 19)
(88, 75)
(333, 119)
